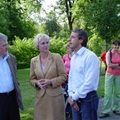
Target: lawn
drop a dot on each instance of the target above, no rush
(28, 92)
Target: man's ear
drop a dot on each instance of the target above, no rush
(81, 41)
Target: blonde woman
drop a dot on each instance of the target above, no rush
(47, 72)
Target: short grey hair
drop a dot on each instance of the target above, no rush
(39, 37)
(3, 37)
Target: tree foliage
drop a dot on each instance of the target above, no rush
(101, 15)
(51, 24)
(24, 50)
(100, 18)
(65, 7)
(15, 20)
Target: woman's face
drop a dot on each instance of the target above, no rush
(43, 46)
(116, 47)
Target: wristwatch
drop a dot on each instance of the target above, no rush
(72, 99)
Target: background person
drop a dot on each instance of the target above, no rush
(47, 72)
(103, 58)
(66, 59)
(112, 82)
(83, 78)
(10, 95)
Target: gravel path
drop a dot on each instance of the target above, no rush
(112, 116)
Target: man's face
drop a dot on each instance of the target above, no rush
(3, 48)
(74, 41)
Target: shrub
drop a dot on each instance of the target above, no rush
(24, 50)
(58, 46)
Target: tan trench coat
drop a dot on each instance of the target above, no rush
(49, 103)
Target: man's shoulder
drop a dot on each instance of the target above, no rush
(88, 52)
(91, 54)
(11, 55)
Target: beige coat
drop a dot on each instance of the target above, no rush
(49, 103)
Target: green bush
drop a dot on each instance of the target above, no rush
(24, 50)
(58, 46)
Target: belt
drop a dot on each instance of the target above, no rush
(8, 93)
(90, 93)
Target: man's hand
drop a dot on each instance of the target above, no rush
(73, 103)
(75, 106)
(70, 101)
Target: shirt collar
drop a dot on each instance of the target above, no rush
(80, 51)
(5, 57)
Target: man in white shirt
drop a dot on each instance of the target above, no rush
(83, 78)
(10, 95)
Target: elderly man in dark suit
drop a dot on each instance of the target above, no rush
(10, 95)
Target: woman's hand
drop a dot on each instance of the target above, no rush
(39, 84)
(45, 82)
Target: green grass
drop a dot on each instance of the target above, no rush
(28, 92)
(101, 80)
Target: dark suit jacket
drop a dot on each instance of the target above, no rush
(12, 63)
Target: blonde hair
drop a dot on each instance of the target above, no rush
(39, 37)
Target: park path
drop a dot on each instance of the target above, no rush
(112, 116)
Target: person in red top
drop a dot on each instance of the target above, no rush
(66, 59)
(112, 82)
(103, 58)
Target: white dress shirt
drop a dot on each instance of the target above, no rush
(6, 82)
(84, 73)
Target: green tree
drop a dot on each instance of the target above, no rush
(15, 18)
(101, 16)
(65, 11)
(4, 18)
(49, 25)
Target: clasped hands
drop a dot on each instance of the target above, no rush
(43, 83)
(74, 104)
